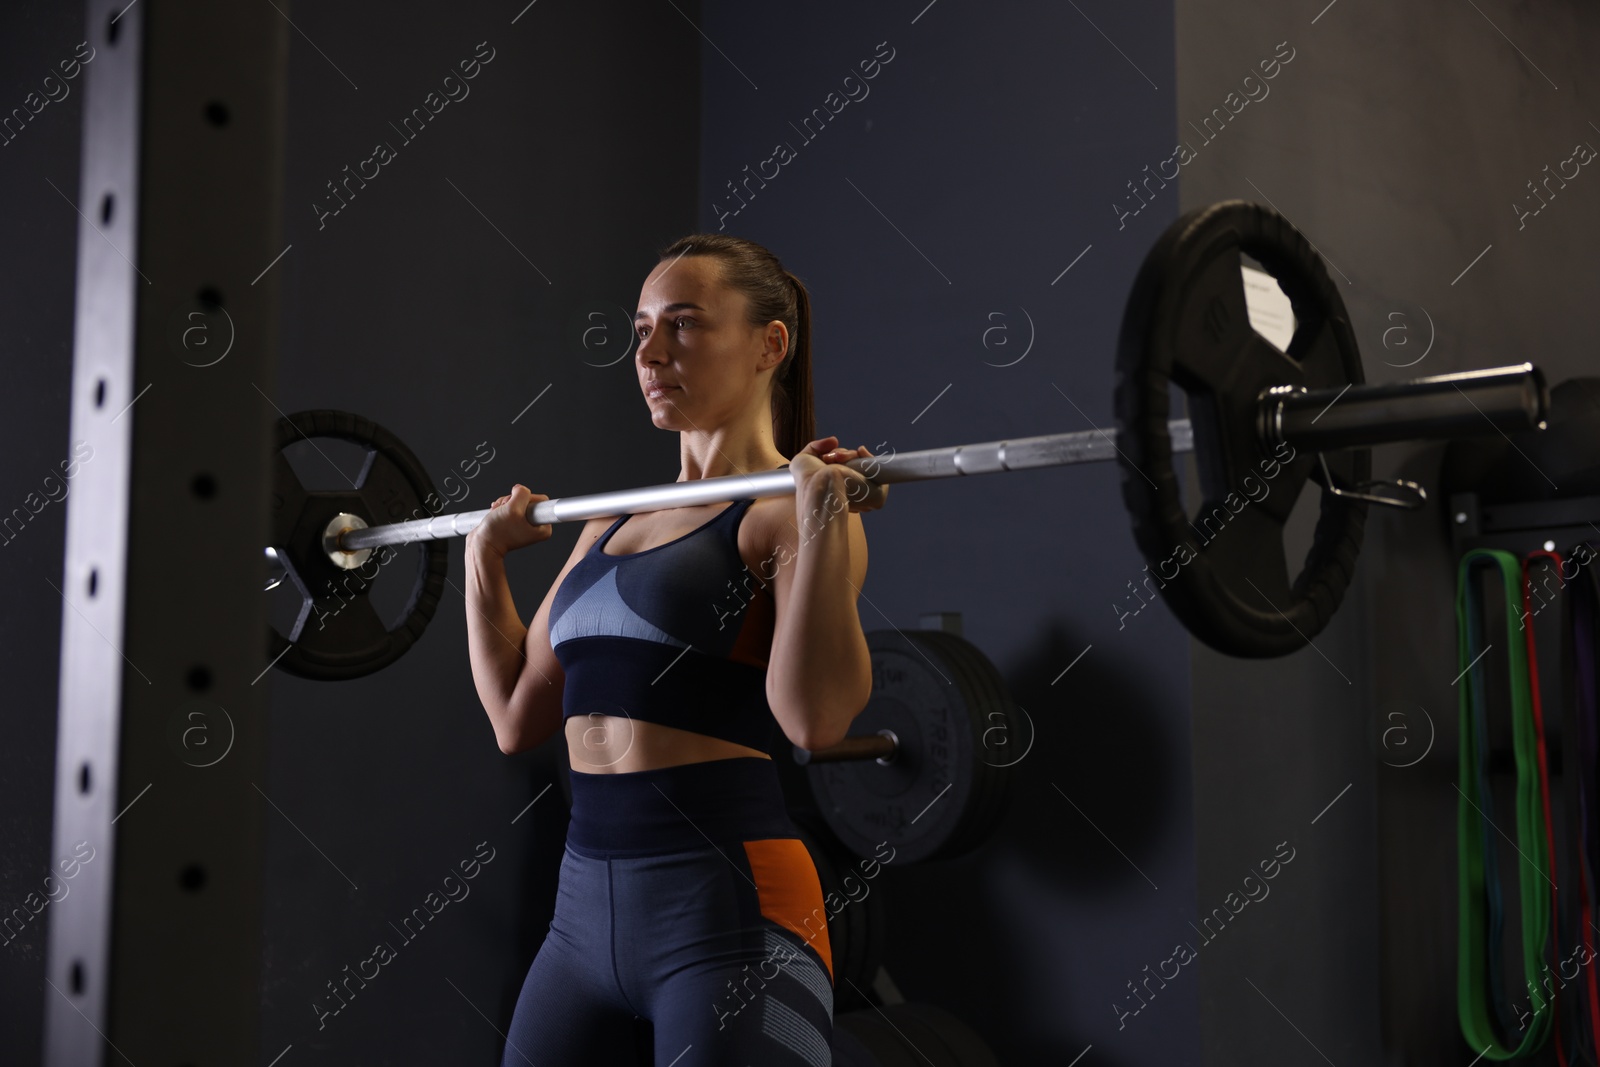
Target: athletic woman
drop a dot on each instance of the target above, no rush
(667, 651)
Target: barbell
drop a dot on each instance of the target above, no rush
(1264, 421)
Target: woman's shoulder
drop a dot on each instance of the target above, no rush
(759, 527)
(769, 529)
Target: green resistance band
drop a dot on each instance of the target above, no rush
(1473, 979)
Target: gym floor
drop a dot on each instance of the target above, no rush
(969, 222)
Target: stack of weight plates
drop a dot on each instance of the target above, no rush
(948, 784)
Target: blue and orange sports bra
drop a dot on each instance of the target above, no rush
(649, 635)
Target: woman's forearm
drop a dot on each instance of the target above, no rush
(819, 675)
(495, 635)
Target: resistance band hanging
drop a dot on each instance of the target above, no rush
(1473, 978)
(1477, 695)
(1584, 748)
(1528, 632)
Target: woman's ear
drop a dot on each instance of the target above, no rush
(776, 344)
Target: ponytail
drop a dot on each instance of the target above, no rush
(773, 293)
(793, 424)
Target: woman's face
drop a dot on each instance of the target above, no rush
(699, 360)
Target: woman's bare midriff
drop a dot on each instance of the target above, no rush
(615, 744)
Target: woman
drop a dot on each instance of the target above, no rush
(666, 650)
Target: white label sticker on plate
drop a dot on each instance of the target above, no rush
(1271, 315)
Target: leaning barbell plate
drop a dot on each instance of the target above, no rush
(338, 634)
(956, 657)
(922, 802)
(1187, 322)
(992, 776)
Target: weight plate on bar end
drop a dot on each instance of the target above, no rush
(932, 801)
(997, 738)
(1186, 321)
(338, 634)
(990, 792)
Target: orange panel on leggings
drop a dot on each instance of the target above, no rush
(790, 894)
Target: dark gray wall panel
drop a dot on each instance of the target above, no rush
(1397, 139)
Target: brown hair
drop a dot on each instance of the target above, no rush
(773, 293)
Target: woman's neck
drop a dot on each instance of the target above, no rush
(715, 455)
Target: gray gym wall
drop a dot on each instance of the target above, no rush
(947, 204)
(1397, 139)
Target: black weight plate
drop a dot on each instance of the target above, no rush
(1186, 322)
(917, 803)
(955, 653)
(993, 719)
(1004, 742)
(338, 634)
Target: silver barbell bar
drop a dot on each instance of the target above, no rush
(1025, 453)
(1451, 405)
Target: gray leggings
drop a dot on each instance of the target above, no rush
(722, 948)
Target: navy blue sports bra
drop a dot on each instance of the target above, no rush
(650, 634)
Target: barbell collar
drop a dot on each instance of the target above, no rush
(1446, 406)
(344, 558)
